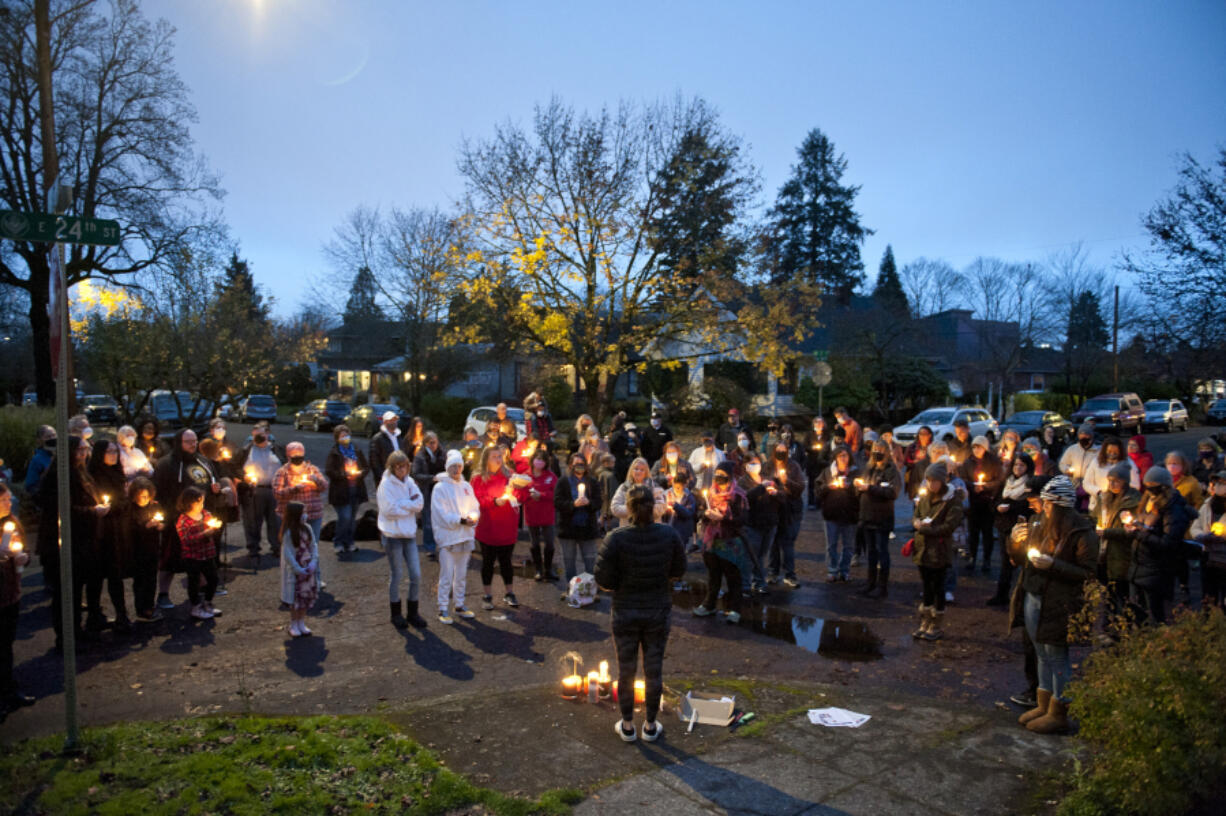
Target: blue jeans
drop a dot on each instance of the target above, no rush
(427, 529)
(1054, 667)
(346, 521)
(784, 547)
(572, 550)
(759, 541)
(261, 511)
(951, 575)
(839, 563)
(878, 544)
(402, 555)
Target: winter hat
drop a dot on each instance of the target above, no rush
(1060, 491)
(1035, 485)
(454, 457)
(1220, 476)
(1140, 440)
(726, 467)
(870, 436)
(937, 471)
(389, 415)
(1158, 475)
(1209, 443)
(1086, 429)
(1121, 471)
(981, 441)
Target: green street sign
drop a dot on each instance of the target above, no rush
(65, 229)
(821, 356)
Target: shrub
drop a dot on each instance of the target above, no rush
(1026, 402)
(559, 396)
(18, 425)
(446, 415)
(1151, 710)
(1063, 404)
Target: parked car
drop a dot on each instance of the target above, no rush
(478, 418)
(1120, 413)
(170, 408)
(321, 415)
(1032, 423)
(941, 421)
(100, 409)
(1167, 414)
(257, 407)
(1216, 412)
(365, 420)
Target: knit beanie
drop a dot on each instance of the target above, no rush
(1121, 471)
(1086, 429)
(1158, 475)
(1060, 491)
(937, 471)
(726, 467)
(454, 457)
(982, 441)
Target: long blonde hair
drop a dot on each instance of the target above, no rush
(483, 462)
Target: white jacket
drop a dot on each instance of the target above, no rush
(1094, 480)
(400, 503)
(450, 502)
(1076, 460)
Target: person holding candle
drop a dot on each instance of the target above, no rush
(638, 564)
(1142, 458)
(258, 463)
(593, 448)
(670, 465)
(428, 463)
(983, 473)
(13, 558)
(961, 443)
(1010, 445)
(840, 505)
(400, 504)
(1110, 453)
(346, 468)
(109, 560)
(498, 525)
(766, 501)
(178, 470)
(878, 489)
(704, 459)
(724, 550)
(540, 515)
(785, 471)
(817, 446)
(195, 527)
(728, 435)
(1189, 487)
(1062, 550)
(1010, 505)
(916, 461)
(143, 523)
(1043, 466)
(511, 433)
(133, 460)
(637, 474)
(1076, 459)
(299, 568)
(521, 454)
(1108, 510)
(298, 480)
(151, 442)
(1209, 530)
(578, 500)
(938, 514)
(471, 451)
(454, 517)
(1156, 535)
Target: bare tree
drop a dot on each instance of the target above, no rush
(931, 286)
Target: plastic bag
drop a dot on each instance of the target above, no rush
(581, 590)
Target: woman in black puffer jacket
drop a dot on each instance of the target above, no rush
(878, 488)
(1157, 532)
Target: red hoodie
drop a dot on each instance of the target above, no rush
(540, 512)
(498, 526)
(1143, 459)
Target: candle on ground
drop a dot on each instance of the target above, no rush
(593, 687)
(571, 686)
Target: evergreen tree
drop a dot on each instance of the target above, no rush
(889, 292)
(815, 232)
(238, 288)
(1087, 330)
(362, 305)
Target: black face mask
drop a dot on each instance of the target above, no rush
(1155, 489)
(780, 456)
(259, 439)
(721, 479)
(1084, 442)
(297, 460)
(49, 444)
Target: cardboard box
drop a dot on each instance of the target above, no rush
(712, 709)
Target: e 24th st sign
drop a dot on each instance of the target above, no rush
(67, 229)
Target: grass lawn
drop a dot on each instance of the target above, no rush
(246, 765)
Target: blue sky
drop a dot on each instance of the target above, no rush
(976, 128)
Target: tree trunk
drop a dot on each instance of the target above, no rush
(40, 330)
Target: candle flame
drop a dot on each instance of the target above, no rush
(9, 527)
(225, 453)
(1033, 553)
(158, 517)
(106, 501)
(1126, 517)
(214, 524)
(15, 545)
(1218, 528)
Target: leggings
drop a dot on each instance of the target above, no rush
(539, 532)
(933, 579)
(719, 570)
(635, 629)
(980, 528)
(490, 552)
(195, 568)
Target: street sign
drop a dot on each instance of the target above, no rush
(67, 229)
(821, 355)
(822, 374)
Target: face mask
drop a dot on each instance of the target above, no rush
(1206, 454)
(50, 444)
(655, 423)
(721, 479)
(671, 456)
(1175, 470)
(732, 420)
(708, 444)
(743, 444)
(540, 413)
(787, 436)
(1084, 442)
(1219, 489)
(297, 460)
(579, 470)
(1155, 489)
(87, 432)
(344, 440)
(877, 457)
(259, 439)
(781, 456)
(754, 467)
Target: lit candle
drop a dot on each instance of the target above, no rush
(106, 501)
(923, 491)
(474, 516)
(304, 480)
(571, 686)
(604, 672)
(980, 479)
(250, 475)
(1126, 517)
(582, 489)
(593, 687)
(15, 546)
(704, 494)
(6, 540)
(158, 517)
(640, 691)
(225, 454)
(214, 524)
(781, 474)
(859, 483)
(1218, 528)
(1033, 553)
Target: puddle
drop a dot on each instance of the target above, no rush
(841, 639)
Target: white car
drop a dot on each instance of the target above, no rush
(1166, 414)
(478, 418)
(941, 421)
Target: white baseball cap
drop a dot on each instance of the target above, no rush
(390, 415)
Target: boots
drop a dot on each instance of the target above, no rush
(871, 585)
(922, 629)
(398, 619)
(415, 620)
(935, 617)
(1043, 699)
(1055, 721)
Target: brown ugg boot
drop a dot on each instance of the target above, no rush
(935, 616)
(1043, 699)
(1055, 721)
(922, 629)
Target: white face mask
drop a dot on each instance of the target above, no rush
(655, 423)
(754, 468)
(743, 444)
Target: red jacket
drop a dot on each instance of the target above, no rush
(521, 454)
(498, 526)
(540, 512)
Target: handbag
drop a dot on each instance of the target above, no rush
(908, 549)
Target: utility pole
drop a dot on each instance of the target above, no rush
(1115, 343)
(59, 284)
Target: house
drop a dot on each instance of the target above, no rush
(353, 349)
(486, 378)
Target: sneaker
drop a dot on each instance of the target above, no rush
(627, 736)
(733, 617)
(772, 579)
(443, 617)
(302, 627)
(465, 613)
(294, 631)
(150, 615)
(163, 602)
(540, 576)
(701, 611)
(949, 597)
(220, 592)
(652, 731)
(793, 583)
(338, 549)
(200, 613)
(510, 600)
(761, 590)
(1025, 699)
(214, 611)
(487, 602)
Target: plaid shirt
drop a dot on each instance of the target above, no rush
(197, 542)
(287, 487)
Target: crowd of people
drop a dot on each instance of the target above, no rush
(144, 510)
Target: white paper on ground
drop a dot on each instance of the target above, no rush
(837, 718)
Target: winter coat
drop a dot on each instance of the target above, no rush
(1203, 468)
(426, 466)
(934, 544)
(578, 523)
(1202, 531)
(141, 542)
(450, 502)
(662, 473)
(382, 444)
(839, 501)
(638, 565)
(793, 486)
(883, 487)
(736, 511)
(618, 506)
(704, 463)
(764, 506)
(624, 445)
(1143, 459)
(984, 479)
(400, 503)
(1095, 480)
(1190, 489)
(290, 568)
(684, 513)
(1076, 461)
(339, 480)
(10, 579)
(1160, 542)
(1116, 542)
(289, 486)
(818, 448)
(653, 440)
(727, 433)
(540, 512)
(917, 462)
(499, 524)
(1074, 554)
